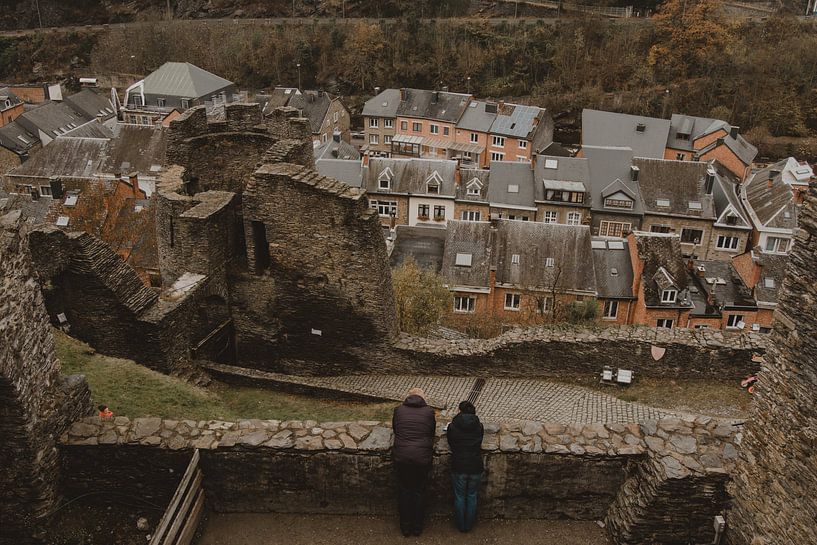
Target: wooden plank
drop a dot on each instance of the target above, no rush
(192, 524)
(181, 516)
(177, 497)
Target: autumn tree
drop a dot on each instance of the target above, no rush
(365, 44)
(420, 297)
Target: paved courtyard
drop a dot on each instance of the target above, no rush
(498, 398)
(275, 529)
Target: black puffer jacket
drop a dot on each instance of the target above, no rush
(414, 424)
(465, 439)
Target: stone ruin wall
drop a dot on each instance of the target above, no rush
(774, 487)
(36, 403)
(650, 481)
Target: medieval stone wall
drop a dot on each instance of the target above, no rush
(774, 487)
(36, 403)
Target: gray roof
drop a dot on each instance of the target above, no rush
(555, 149)
(410, 175)
(67, 157)
(679, 182)
(348, 171)
(516, 120)
(696, 127)
(722, 281)
(91, 104)
(664, 266)
(383, 105)
(772, 266)
(725, 193)
(476, 118)
(32, 211)
(15, 138)
(279, 97)
(50, 117)
(614, 271)
(568, 169)
(6, 94)
(332, 149)
(467, 175)
(612, 129)
(136, 148)
(182, 79)
(610, 168)
(468, 237)
(436, 105)
(425, 245)
(770, 206)
(89, 129)
(507, 175)
(313, 106)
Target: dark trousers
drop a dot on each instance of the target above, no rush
(466, 489)
(412, 480)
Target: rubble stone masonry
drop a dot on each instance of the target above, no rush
(774, 487)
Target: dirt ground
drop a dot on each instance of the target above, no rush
(268, 529)
(87, 523)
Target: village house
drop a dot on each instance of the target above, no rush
(474, 131)
(511, 194)
(326, 113)
(771, 205)
(561, 190)
(732, 230)
(16, 145)
(722, 300)
(426, 121)
(516, 132)
(35, 93)
(471, 203)
(645, 136)
(763, 273)
(614, 280)
(514, 272)
(174, 87)
(379, 117)
(615, 196)
(11, 107)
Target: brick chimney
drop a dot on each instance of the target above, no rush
(403, 94)
(133, 178)
(457, 175)
(365, 159)
(733, 132)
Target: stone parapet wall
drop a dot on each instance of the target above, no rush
(540, 470)
(775, 500)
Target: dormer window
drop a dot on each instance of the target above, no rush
(618, 203)
(474, 188)
(384, 180)
(669, 296)
(515, 259)
(433, 183)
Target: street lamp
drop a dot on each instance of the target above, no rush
(299, 75)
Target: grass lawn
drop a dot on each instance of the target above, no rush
(132, 390)
(721, 398)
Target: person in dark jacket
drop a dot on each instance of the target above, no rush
(465, 441)
(414, 425)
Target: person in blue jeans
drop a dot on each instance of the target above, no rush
(465, 440)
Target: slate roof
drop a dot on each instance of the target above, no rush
(555, 149)
(89, 129)
(53, 118)
(614, 271)
(15, 138)
(726, 286)
(679, 182)
(6, 94)
(332, 149)
(66, 157)
(313, 106)
(32, 211)
(726, 194)
(136, 148)
(421, 103)
(410, 175)
(467, 175)
(425, 245)
(664, 266)
(697, 127)
(504, 175)
(770, 206)
(610, 129)
(279, 97)
(348, 171)
(468, 237)
(610, 167)
(568, 169)
(772, 266)
(384, 104)
(475, 118)
(182, 79)
(91, 104)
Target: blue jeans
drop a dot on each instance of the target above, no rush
(466, 488)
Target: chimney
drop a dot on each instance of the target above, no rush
(435, 97)
(494, 220)
(733, 132)
(772, 175)
(56, 187)
(445, 88)
(133, 177)
(320, 92)
(377, 91)
(457, 175)
(311, 97)
(710, 297)
(365, 159)
(720, 141)
(403, 94)
(336, 135)
(634, 171)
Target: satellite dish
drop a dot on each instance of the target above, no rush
(657, 352)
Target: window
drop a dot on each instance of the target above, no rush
(610, 310)
(373, 139)
(435, 129)
(446, 131)
(385, 208)
(641, 127)
(374, 122)
(335, 117)
(464, 304)
(669, 296)
(660, 229)
(433, 187)
(618, 203)
(384, 181)
(664, 322)
(574, 218)
(551, 163)
(701, 326)
(547, 303)
(404, 125)
(45, 190)
(577, 197)
(663, 203)
(613, 228)
(496, 156)
(680, 156)
(473, 190)
(727, 243)
(498, 142)
(521, 159)
(463, 260)
(777, 245)
(387, 139)
(735, 321)
(185, 103)
(160, 102)
(417, 127)
(695, 205)
(515, 259)
(388, 123)
(523, 144)
(422, 211)
(550, 262)
(471, 215)
(768, 282)
(474, 138)
(691, 236)
(550, 217)
(512, 301)
(439, 212)
(137, 100)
